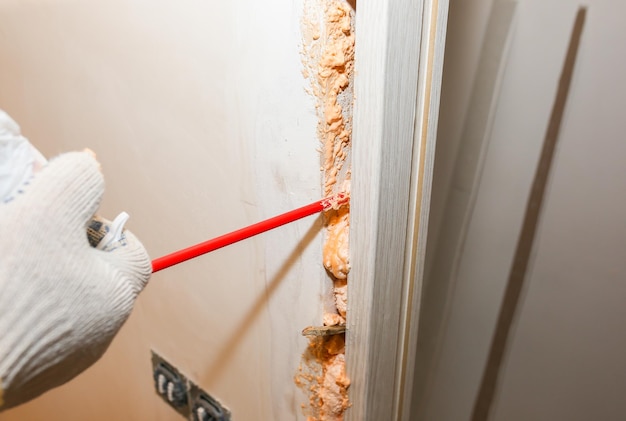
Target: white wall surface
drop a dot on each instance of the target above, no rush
(566, 357)
(197, 112)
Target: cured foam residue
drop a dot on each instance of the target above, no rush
(328, 59)
(336, 246)
(322, 375)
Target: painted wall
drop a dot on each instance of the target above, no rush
(198, 114)
(566, 356)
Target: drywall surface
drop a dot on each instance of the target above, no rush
(565, 360)
(198, 114)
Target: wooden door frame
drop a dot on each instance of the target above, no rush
(398, 65)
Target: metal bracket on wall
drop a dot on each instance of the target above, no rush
(184, 396)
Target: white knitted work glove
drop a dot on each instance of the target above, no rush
(61, 300)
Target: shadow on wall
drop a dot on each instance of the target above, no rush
(226, 354)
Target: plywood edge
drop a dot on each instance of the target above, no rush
(426, 123)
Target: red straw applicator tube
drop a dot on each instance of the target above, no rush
(247, 232)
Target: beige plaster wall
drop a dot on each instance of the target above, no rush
(197, 112)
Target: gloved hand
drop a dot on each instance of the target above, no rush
(61, 300)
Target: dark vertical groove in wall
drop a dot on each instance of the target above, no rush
(489, 383)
